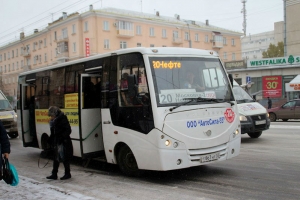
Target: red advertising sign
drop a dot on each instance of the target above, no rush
(272, 86)
(87, 47)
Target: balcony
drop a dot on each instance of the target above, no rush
(177, 40)
(62, 38)
(63, 55)
(26, 68)
(26, 53)
(125, 33)
(217, 45)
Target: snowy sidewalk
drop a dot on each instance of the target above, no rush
(32, 189)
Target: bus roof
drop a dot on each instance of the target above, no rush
(143, 50)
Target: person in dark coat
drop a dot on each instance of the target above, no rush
(60, 134)
(269, 103)
(4, 144)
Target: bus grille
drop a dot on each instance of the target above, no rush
(7, 124)
(195, 154)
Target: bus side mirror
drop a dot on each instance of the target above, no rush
(230, 79)
(132, 85)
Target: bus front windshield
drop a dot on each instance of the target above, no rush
(180, 79)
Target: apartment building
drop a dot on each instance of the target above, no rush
(254, 45)
(94, 32)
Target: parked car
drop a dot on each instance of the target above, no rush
(289, 110)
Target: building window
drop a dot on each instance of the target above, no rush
(139, 44)
(45, 57)
(22, 63)
(138, 30)
(224, 41)
(55, 35)
(40, 58)
(106, 44)
(206, 38)
(233, 56)
(186, 35)
(74, 46)
(34, 46)
(86, 26)
(45, 42)
(40, 44)
(232, 42)
(73, 29)
(17, 65)
(164, 33)
(175, 34)
(12, 53)
(0, 68)
(123, 45)
(4, 55)
(197, 37)
(17, 52)
(1, 57)
(64, 33)
(8, 67)
(152, 31)
(13, 67)
(105, 26)
(8, 55)
(151, 45)
(225, 55)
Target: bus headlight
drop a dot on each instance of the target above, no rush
(167, 143)
(243, 118)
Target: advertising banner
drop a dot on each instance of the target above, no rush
(272, 86)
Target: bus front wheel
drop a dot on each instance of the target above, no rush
(127, 162)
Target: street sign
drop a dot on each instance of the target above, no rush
(248, 79)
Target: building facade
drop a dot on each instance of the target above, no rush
(94, 32)
(254, 45)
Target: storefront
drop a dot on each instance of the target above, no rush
(293, 88)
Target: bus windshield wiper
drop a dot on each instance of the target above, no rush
(199, 99)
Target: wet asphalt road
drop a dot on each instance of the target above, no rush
(267, 168)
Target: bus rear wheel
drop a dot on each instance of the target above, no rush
(255, 134)
(127, 162)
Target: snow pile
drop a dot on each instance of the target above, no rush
(32, 189)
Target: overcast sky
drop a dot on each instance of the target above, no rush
(27, 15)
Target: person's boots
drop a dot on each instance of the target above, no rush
(66, 176)
(53, 176)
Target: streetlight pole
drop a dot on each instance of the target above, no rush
(190, 41)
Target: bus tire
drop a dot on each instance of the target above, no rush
(13, 134)
(127, 162)
(255, 134)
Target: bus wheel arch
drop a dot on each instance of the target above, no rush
(126, 160)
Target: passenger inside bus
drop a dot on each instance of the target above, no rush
(124, 89)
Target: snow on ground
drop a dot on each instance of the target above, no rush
(32, 189)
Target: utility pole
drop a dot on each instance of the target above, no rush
(244, 16)
(284, 28)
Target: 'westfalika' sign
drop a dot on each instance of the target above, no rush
(274, 61)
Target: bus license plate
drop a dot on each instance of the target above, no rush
(260, 122)
(210, 157)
